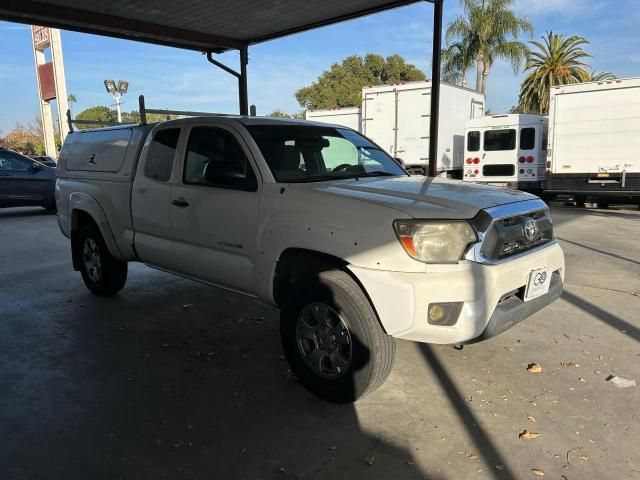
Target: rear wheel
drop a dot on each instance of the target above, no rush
(102, 273)
(333, 339)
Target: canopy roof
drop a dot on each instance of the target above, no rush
(205, 25)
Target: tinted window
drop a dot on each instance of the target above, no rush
(527, 139)
(505, 170)
(214, 157)
(499, 140)
(13, 161)
(306, 153)
(545, 137)
(473, 141)
(161, 154)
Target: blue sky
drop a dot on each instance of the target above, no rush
(172, 78)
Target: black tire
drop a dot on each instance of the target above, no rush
(372, 351)
(111, 275)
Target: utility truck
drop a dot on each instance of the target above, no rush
(397, 118)
(316, 219)
(507, 150)
(594, 140)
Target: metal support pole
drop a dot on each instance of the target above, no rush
(435, 87)
(243, 90)
(116, 97)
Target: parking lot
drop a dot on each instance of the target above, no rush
(174, 379)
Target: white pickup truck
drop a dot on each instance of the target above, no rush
(318, 220)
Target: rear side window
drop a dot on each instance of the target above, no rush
(545, 138)
(10, 161)
(527, 139)
(499, 140)
(473, 141)
(161, 154)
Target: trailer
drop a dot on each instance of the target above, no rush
(396, 117)
(507, 150)
(594, 141)
(347, 117)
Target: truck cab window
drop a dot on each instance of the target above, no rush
(527, 138)
(162, 151)
(214, 157)
(473, 141)
(499, 140)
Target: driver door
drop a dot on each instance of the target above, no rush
(214, 209)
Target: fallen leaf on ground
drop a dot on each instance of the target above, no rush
(369, 460)
(527, 435)
(582, 380)
(568, 364)
(537, 472)
(534, 368)
(531, 418)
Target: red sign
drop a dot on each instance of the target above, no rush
(47, 82)
(41, 37)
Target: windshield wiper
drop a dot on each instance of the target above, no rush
(315, 178)
(378, 173)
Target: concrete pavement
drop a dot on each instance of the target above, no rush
(173, 379)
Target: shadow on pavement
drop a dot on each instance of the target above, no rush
(169, 379)
(603, 252)
(490, 454)
(608, 318)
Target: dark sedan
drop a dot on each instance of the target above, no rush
(25, 182)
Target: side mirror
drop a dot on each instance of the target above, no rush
(36, 167)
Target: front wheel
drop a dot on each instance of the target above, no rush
(102, 273)
(333, 340)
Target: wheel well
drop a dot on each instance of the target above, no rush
(79, 218)
(298, 264)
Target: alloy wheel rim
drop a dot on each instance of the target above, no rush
(92, 260)
(323, 340)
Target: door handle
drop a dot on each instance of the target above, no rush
(180, 203)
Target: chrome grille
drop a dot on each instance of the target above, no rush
(506, 237)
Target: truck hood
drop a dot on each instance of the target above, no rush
(421, 197)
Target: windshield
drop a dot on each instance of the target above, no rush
(309, 153)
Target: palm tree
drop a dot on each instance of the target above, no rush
(457, 59)
(490, 29)
(601, 76)
(558, 61)
(71, 100)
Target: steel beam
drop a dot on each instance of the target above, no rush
(435, 87)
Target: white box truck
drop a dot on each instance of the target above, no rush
(397, 117)
(347, 117)
(594, 141)
(507, 150)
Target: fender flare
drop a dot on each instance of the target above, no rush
(86, 203)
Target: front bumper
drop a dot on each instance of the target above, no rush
(491, 296)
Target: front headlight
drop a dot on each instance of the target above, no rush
(437, 241)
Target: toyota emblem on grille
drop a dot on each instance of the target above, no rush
(530, 230)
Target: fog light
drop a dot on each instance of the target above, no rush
(444, 313)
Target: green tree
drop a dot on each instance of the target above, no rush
(341, 85)
(558, 60)
(277, 113)
(601, 76)
(457, 60)
(97, 113)
(490, 29)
